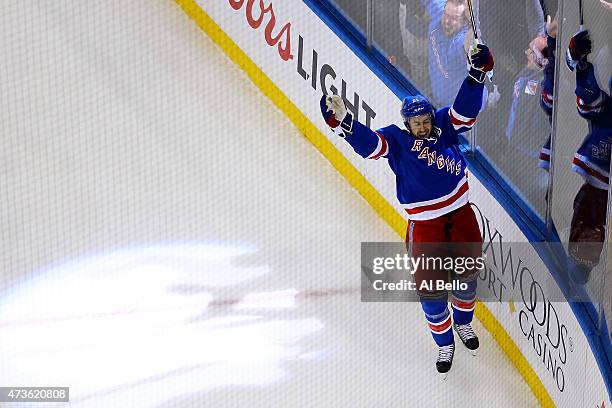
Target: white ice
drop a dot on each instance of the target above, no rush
(169, 239)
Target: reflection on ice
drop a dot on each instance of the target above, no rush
(279, 299)
(111, 324)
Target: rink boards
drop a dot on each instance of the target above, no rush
(293, 56)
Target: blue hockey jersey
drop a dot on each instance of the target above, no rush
(592, 160)
(431, 174)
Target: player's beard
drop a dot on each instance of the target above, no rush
(423, 134)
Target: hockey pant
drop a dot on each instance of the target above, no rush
(588, 231)
(453, 235)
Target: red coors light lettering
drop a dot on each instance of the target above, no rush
(282, 40)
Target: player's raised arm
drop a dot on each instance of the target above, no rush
(468, 102)
(593, 103)
(367, 143)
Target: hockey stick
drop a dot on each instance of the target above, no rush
(473, 20)
(476, 39)
(581, 15)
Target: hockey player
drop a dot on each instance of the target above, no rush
(591, 161)
(432, 186)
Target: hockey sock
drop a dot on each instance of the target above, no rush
(463, 303)
(439, 321)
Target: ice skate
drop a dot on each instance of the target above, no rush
(467, 336)
(445, 359)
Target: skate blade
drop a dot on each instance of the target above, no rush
(474, 353)
(443, 376)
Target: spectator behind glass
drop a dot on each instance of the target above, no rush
(508, 27)
(386, 32)
(448, 45)
(414, 23)
(527, 124)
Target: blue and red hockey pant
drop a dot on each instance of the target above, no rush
(454, 235)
